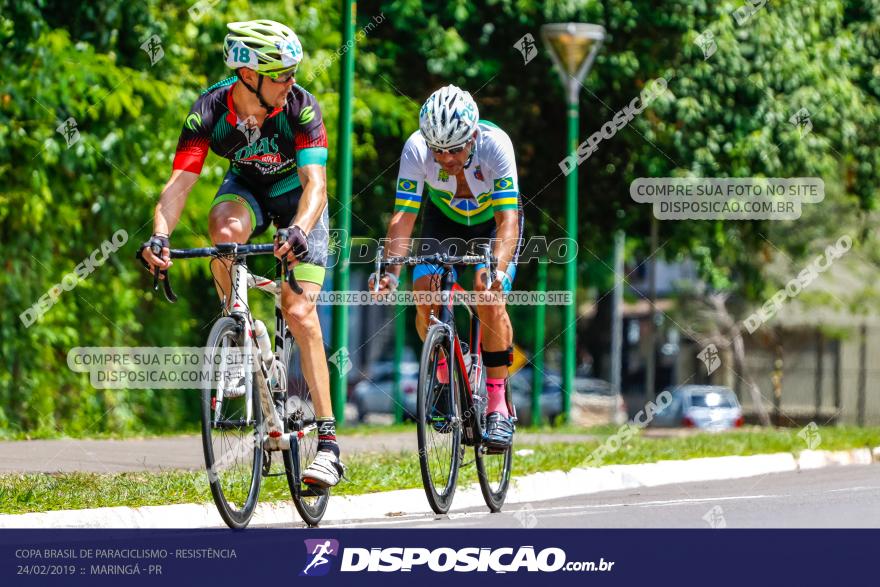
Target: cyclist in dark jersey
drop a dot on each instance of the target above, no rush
(273, 133)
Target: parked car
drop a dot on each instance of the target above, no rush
(375, 393)
(708, 407)
(593, 402)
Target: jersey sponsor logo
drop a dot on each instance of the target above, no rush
(478, 173)
(406, 185)
(442, 175)
(306, 115)
(192, 121)
(505, 183)
(268, 158)
(265, 149)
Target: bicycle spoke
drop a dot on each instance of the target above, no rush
(234, 464)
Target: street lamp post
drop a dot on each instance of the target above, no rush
(573, 47)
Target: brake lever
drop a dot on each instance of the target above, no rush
(157, 251)
(166, 285)
(380, 268)
(288, 276)
(488, 262)
(169, 293)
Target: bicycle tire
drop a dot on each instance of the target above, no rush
(493, 468)
(227, 329)
(311, 508)
(432, 465)
(494, 480)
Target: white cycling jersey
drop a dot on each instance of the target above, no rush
(491, 177)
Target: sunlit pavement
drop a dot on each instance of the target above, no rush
(833, 497)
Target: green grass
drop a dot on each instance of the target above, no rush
(386, 472)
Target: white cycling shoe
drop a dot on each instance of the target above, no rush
(325, 471)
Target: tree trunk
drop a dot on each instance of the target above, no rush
(719, 304)
(739, 354)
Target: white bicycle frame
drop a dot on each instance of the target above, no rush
(274, 437)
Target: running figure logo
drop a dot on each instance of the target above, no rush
(153, 48)
(318, 550)
(68, 130)
(526, 46)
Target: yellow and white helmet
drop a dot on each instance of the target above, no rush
(266, 46)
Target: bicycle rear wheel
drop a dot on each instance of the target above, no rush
(438, 422)
(311, 503)
(232, 426)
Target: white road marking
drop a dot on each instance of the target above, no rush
(427, 519)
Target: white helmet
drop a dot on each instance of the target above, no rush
(448, 118)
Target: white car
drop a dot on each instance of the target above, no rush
(708, 407)
(375, 394)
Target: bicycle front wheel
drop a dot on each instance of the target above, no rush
(439, 424)
(232, 425)
(493, 466)
(493, 470)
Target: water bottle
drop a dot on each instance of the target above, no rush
(466, 352)
(266, 353)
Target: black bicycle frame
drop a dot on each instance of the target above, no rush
(447, 316)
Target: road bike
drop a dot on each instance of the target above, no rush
(452, 417)
(253, 404)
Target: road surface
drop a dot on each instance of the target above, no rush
(833, 497)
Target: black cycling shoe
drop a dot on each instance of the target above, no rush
(499, 431)
(440, 414)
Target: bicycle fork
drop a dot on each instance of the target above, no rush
(273, 428)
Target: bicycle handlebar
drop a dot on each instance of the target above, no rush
(223, 249)
(487, 259)
(435, 259)
(220, 250)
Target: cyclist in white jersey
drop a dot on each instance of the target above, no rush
(462, 171)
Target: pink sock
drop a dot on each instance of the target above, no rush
(497, 403)
(442, 371)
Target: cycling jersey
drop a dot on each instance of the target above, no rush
(490, 175)
(440, 234)
(291, 136)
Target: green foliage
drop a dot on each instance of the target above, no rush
(727, 115)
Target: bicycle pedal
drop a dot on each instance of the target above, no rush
(492, 449)
(313, 491)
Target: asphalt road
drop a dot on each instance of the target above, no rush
(833, 497)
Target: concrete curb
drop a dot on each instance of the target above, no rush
(390, 504)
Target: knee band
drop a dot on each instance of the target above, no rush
(497, 358)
